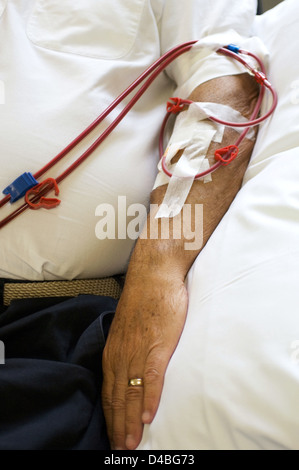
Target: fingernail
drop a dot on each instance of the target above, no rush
(130, 442)
(146, 417)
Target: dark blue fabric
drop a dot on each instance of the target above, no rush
(50, 384)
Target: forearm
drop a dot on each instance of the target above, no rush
(151, 313)
(240, 93)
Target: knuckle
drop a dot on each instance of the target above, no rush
(117, 403)
(133, 393)
(152, 375)
(106, 401)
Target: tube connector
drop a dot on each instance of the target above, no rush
(233, 48)
(19, 187)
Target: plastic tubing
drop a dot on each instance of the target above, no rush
(149, 75)
(253, 121)
(152, 72)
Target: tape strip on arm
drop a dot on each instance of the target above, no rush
(213, 24)
(193, 134)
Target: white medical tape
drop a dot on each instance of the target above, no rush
(202, 63)
(211, 43)
(179, 188)
(191, 162)
(223, 112)
(192, 133)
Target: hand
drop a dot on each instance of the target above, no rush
(144, 334)
(151, 313)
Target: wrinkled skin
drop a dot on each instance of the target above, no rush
(144, 338)
(151, 313)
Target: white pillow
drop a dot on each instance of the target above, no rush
(233, 380)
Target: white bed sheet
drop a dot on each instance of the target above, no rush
(233, 381)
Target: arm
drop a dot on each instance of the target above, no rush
(152, 310)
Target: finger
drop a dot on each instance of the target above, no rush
(153, 384)
(107, 390)
(119, 413)
(134, 408)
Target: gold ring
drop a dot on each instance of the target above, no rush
(137, 382)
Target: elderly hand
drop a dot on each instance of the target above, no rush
(144, 334)
(152, 310)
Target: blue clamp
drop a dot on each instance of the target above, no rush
(20, 186)
(233, 48)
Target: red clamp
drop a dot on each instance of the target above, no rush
(260, 77)
(231, 150)
(43, 188)
(175, 105)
